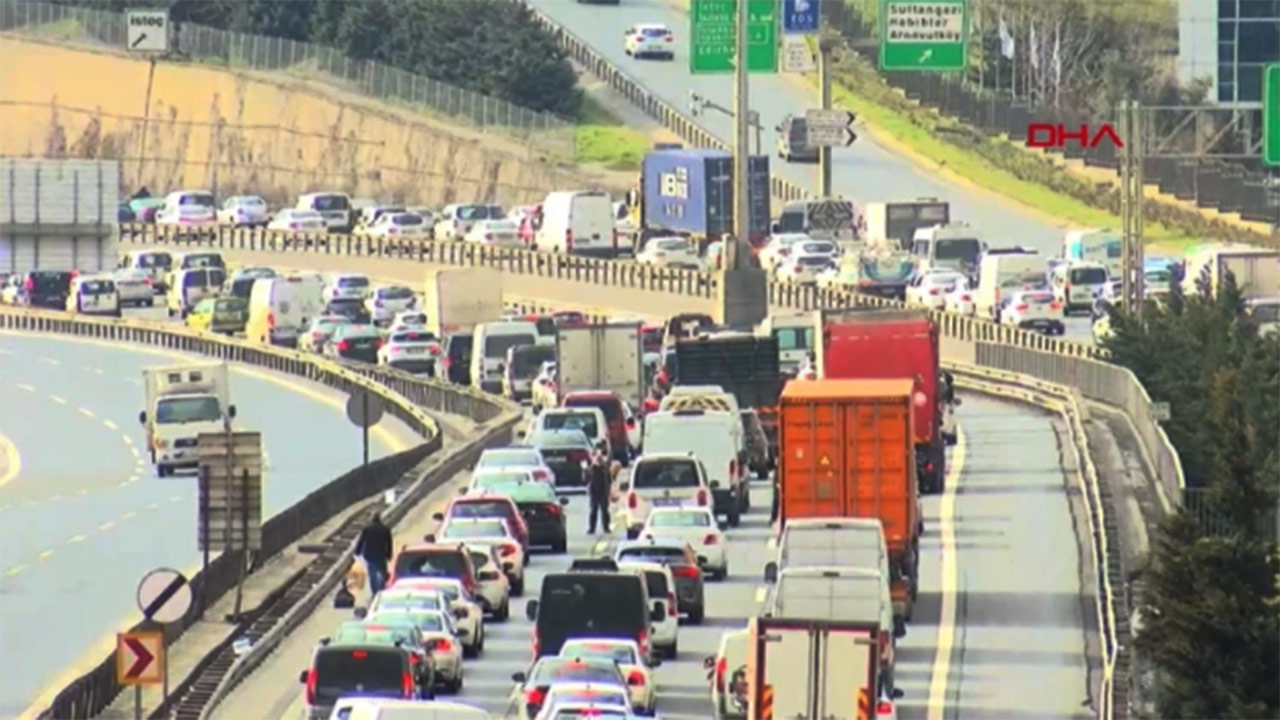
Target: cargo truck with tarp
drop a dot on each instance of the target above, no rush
(747, 366)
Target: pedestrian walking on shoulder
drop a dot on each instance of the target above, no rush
(599, 489)
(374, 547)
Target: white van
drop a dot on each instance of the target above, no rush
(334, 207)
(489, 350)
(711, 398)
(202, 259)
(714, 438)
(93, 295)
(281, 308)
(794, 333)
(577, 223)
(191, 286)
(1002, 272)
(193, 209)
(1077, 283)
(1099, 246)
(951, 247)
(155, 263)
(842, 542)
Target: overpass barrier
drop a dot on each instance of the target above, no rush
(414, 472)
(963, 339)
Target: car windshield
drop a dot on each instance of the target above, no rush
(526, 492)
(430, 563)
(1088, 276)
(498, 345)
(373, 633)
(392, 600)
(614, 652)
(474, 529)
(551, 670)
(656, 583)
(561, 694)
(473, 212)
(203, 200)
(395, 293)
(1268, 312)
(665, 474)
(331, 202)
(652, 553)
(328, 324)
(155, 260)
(375, 671)
(586, 422)
(568, 438)
(680, 519)
(426, 621)
(594, 712)
(965, 249)
(353, 282)
(672, 244)
(97, 287)
(407, 219)
(188, 409)
(656, 32)
(508, 457)
(793, 338)
(480, 509)
(813, 260)
(1039, 298)
(356, 332)
(490, 478)
(822, 248)
(610, 406)
(526, 360)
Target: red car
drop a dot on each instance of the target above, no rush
(615, 417)
(482, 505)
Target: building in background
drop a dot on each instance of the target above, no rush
(1228, 41)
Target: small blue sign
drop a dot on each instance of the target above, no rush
(800, 16)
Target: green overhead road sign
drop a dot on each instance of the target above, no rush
(924, 35)
(712, 32)
(1271, 115)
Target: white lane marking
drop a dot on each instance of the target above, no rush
(85, 412)
(133, 380)
(127, 440)
(83, 491)
(76, 539)
(940, 677)
(44, 556)
(106, 526)
(12, 461)
(24, 386)
(55, 498)
(129, 515)
(175, 498)
(58, 399)
(94, 370)
(156, 506)
(51, 361)
(14, 570)
(110, 425)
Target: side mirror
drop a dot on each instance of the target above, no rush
(771, 572)
(777, 128)
(142, 417)
(360, 613)
(709, 662)
(957, 402)
(520, 434)
(459, 613)
(463, 632)
(658, 611)
(438, 516)
(429, 537)
(703, 561)
(564, 501)
(624, 486)
(302, 677)
(775, 228)
(518, 677)
(231, 411)
(723, 525)
(508, 566)
(715, 484)
(897, 693)
(531, 612)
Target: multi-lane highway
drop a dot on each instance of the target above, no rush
(86, 516)
(1000, 630)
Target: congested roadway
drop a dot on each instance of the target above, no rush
(85, 516)
(1000, 628)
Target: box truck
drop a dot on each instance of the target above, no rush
(183, 401)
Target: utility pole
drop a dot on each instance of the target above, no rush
(824, 92)
(1132, 291)
(741, 144)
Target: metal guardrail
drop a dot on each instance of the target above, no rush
(1110, 607)
(405, 396)
(964, 339)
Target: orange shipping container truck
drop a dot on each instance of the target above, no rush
(846, 449)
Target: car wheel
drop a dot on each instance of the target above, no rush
(696, 615)
(456, 685)
(720, 574)
(746, 497)
(735, 518)
(517, 588)
(762, 473)
(560, 546)
(163, 470)
(674, 650)
(504, 612)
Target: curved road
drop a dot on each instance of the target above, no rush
(85, 517)
(1000, 632)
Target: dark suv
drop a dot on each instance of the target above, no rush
(599, 604)
(457, 358)
(434, 560)
(370, 669)
(45, 288)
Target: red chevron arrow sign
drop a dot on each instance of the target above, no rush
(140, 658)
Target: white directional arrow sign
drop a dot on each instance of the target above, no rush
(829, 128)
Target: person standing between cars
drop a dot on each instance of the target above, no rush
(374, 546)
(599, 489)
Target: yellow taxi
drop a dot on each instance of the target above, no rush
(226, 315)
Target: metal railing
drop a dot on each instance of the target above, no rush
(405, 397)
(542, 130)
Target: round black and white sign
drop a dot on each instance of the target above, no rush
(164, 595)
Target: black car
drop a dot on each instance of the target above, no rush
(567, 452)
(758, 458)
(350, 308)
(457, 358)
(45, 288)
(542, 510)
(371, 669)
(355, 342)
(591, 604)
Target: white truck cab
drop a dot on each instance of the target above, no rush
(954, 246)
(183, 401)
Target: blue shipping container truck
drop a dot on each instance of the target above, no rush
(691, 191)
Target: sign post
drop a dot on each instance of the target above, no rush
(164, 596)
(364, 410)
(830, 127)
(924, 35)
(1271, 115)
(712, 33)
(139, 661)
(231, 502)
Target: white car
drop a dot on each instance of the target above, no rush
(134, 287)
(595, 711)
(409, 320)
(1032, 310)
(399, 226)
(493, 578)
(930, 289)
(727, 672)
(634, 665)
(959, 299)
(455, 221)
(414, 351)
(386, 302)
(661, 584)
(522, 457)
(596, 694)
(243, 211)
(441, 638)
(650, 40)
(675, 252)
(802, 269)
(291, 220)
(495, 233)
(696, 526)
(778, 248)
(347, 286)
(544, 387)
(93, 295)
(466, 611)
(662, 480)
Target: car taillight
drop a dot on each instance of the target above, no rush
(271, 319)
(685, 571)
(733, 469)
(393, 231)
(293, 226)
(568, 239)
(317, 335)
(29, 285)
(448, 361)
(632, 501)
(670, 39)
(407, 685)
(722, 666)
(966, 298)
(555, 509)
(433, 349)
(1022, 307)
(642, 639)
(710, 539)
(933, 291)
(534, 697)
(579, 456)
(796, 270)
(885, 708)
(382, 341)
(391, 578)
(635, 678)
(541, 475)
(343, 346)
(147, 281)
(928, 467)
(443, 645)
(507, 550)
(488, 237)
(469, 583)
(673, 608)
(702, 497)
(311, 686)
(1055, 305)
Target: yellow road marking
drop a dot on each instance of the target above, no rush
(14, 570)
(77, 539)
(129, 515)
(85, 412)
(58, 399)
(44, 555)
(939, 680)
(51, 361)
(24, 386)
(127, 440)
(106, 525)
(154, 506)
(83, 491)
(12, 461)
(110, 425)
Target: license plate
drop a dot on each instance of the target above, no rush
(415, 350)
(667, 501)
(555, 460)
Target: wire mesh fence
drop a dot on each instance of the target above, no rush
(543, 132)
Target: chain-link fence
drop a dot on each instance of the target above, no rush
(544, 132)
